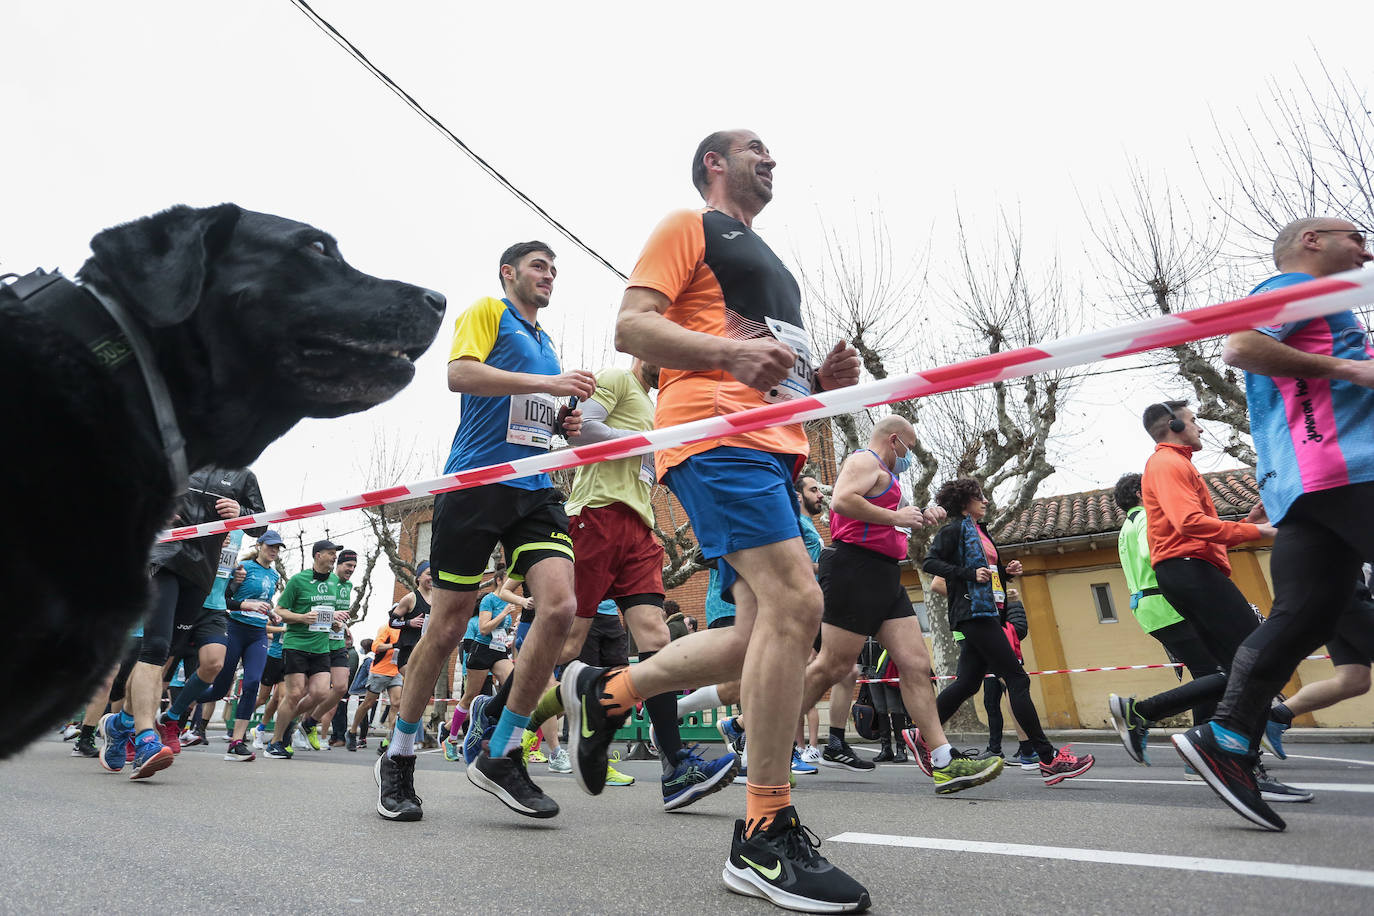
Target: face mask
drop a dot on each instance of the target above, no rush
(902, 464)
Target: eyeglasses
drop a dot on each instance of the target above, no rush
(1356, 235)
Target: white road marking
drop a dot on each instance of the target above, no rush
(1319, 874)
(1360, 787)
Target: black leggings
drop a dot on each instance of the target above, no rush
(1321, 543)
(993, 691)
(174, 598)
(1208, 677)
(1221, 618)
(985, 648)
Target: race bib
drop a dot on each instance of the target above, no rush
(999, 594)
(500, 639)
(531, 420)
(228, 557)
(800, 381)
(646, 469)
(324, 622)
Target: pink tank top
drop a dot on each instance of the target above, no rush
(887, 540)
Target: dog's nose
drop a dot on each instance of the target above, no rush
(435, 301)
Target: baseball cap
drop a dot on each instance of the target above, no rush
(271, 539)
(324, 545)
(346, 555)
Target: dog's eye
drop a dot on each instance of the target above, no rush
(319, 246)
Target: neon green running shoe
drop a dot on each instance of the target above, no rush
(965, 773)
(527, 749)
(616, 778)
(312, 737)
(453, 751)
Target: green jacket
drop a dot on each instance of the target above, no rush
(1151, 610)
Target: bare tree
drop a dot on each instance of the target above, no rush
(390, 464)
(1162, 258)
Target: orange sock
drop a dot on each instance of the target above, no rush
(762, 804)
(619, 694)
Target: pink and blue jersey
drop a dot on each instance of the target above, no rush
(1311, 434)
(887, 540)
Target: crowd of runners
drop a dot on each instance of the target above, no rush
(531, 643)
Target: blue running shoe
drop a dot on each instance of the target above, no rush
(734, 735)
(694, 778)
(113, 737)
(1273, 739)
(480, 728)
(801, 767)
(1029, 761)
(149, 757)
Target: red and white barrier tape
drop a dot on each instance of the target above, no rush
(950, 677)
(1292, 303)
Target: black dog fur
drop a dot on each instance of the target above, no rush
(256, 322)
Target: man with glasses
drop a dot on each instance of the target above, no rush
(1308, 387)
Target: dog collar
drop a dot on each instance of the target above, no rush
(119, 349)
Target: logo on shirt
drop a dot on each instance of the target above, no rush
(731, 235)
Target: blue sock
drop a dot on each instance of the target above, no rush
(403, 738)
(126, 719)
(1230, 741)
(510, 728)
(189, 694)
(145, 736)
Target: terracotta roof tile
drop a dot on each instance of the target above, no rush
(1094, 512)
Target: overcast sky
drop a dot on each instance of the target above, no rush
(113, 111)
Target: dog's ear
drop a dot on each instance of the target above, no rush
(159, 264)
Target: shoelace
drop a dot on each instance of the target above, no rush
(802, 844)
(407, 780)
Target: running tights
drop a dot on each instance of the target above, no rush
(985, 648)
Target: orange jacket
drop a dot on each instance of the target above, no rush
(1180, 517)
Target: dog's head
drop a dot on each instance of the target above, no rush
(257, 321)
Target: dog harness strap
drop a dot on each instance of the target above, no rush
(173, 445)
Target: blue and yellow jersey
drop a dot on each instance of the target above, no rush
(496, 430)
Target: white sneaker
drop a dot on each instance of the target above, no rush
(559, 763)
(811, 755)
(259, 738)
(298, 741)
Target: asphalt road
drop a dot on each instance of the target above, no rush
(302, 836)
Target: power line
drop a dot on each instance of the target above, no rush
(325, 26)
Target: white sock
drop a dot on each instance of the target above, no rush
(699, 699)
(402, 743)
(941, 756)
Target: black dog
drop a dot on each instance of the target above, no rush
(252, 322)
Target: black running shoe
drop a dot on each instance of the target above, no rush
(507, 779)
(85, 747)
(1131, 727)
(840, 755)
(350, 742)
(782, 866)
(1231, 774)
(396, 798)
(1271, 790)
(591, 729)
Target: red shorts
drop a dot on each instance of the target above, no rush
(617, 556)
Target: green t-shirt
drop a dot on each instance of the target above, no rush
(342, 602)
(624, 480)
(304, 593)
(1151, 611)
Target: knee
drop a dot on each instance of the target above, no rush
(154, 650)
(833, 667)
(1354, 682)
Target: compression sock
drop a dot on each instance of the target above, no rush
(145, 736)
(188, 694)
(941, 756)
(87, 733)
(550, 705)
(510, 728)
(1230, 741)
(126, 719)
(619, 695)
(836, 736)
(460, 716)
(697, 700)
(309, 722)
(403, 738)
(762, 804)
(1281, 714)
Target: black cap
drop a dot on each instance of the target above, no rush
(345, 556)
(324, 545)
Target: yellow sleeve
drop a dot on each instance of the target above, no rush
(474, 331)
(610, 388)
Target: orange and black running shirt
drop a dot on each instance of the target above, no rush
(722, 279)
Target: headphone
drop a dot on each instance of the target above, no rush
(1175, 424)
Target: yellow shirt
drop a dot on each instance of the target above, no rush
(624, 480)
